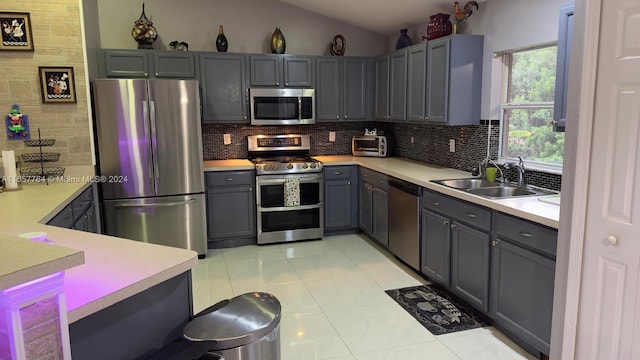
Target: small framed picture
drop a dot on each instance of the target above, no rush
(57, 85)
(16, 32)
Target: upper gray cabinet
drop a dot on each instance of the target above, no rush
(454, 80)
(146, 64)
(381, 87)
(341, 88)
(416, 82)
(281, 70)
(224, 88)
(398, 85)
(565, 32)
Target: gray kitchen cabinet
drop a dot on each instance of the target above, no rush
(373, 205)
(231, 208)
(80, 214)
(454, 80)
(146, 64)
(416, 82)
(398, 85)
(381, 87)
(522, 279)
(455, 246)
(224, 88)
(281, 70)
(341, 88)
(565, 33)
(340, 198)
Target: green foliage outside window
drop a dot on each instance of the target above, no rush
(528, 111)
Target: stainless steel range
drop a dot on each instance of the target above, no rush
(289, 195)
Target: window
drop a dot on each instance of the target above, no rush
(527, 108)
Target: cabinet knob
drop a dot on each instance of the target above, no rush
(229, 179)
(453, 226)
(250, 189)
(612, 240)
(337, 116)
(445, 222)
(345, 116)
(157, 74)
(278, 83)
(349, 183)
(494, 242)
(286, 84)
(146, 74)
(337, 173)
(435, 203)
(526, 234)
(472, 215)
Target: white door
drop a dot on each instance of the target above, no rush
(609, 311)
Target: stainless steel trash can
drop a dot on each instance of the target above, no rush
(246, 327)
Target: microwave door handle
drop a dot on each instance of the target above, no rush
(299, 108)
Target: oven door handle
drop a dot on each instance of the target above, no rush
(290, 208)
(303, 179)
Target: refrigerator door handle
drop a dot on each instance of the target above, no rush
(154, 138)
(167, 204)
(145, 115)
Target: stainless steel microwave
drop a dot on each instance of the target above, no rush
(369, 145)
(282, 106)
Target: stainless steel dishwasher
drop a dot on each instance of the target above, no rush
(404, 221)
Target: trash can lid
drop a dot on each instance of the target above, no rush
(235, 322)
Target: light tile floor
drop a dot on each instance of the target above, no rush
(334, 305)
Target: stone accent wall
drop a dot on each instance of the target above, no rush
(57, 41)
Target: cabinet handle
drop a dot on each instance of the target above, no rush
(250, 189)
(472, 215)
(229, 179)
(526, 234)
(435, 203)
(337, 173)
(494, 242)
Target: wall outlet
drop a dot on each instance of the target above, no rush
(226, 139)
(452, 145)
(332, 136)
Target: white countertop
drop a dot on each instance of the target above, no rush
(114, 268)
(530, 207)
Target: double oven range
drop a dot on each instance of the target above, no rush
(283, 165)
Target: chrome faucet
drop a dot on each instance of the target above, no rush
(522, 182)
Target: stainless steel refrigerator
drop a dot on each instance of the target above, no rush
(149, 146)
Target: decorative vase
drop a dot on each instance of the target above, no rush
(404, 40)
(439, 26)
(278, 44)
(144, 32)
(221, 41)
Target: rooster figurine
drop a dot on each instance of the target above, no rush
(462, 14)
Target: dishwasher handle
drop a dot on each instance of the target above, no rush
(405, 186)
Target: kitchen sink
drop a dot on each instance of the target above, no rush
(492, 189)
(466, 184)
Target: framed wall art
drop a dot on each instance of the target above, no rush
(57, 85)
(16, 32)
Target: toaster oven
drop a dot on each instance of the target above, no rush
(369, 145)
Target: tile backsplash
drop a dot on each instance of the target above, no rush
(424, 143)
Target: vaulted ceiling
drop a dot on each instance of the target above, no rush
(381, 16)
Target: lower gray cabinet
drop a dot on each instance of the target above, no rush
(80, 214)
(373, 203)
(340, 197)
(455, 246)
(522, 279)
(231, 207)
